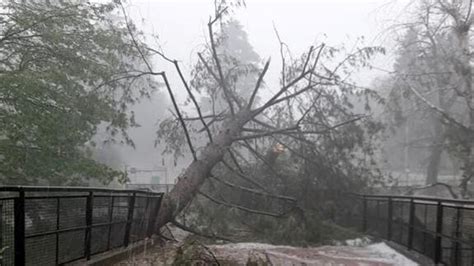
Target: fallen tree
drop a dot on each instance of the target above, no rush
(312, 106)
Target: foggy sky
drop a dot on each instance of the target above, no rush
(181, 27)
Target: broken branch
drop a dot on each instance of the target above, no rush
(257, 86)
(245, 209)
(253, 191)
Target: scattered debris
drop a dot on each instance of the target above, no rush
(188, 250)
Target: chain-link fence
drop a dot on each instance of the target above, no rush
(441, 229)
(57, 225)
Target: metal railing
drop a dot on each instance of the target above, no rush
(58, 225)
(165, 188)
(441, 229)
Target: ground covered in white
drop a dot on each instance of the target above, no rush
(355, 252)
(358, 254)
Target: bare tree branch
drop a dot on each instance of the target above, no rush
(257, 86)
(163, 75)
(469, 11)
(303, 90)
(270, 166)
(309, 57)
(253, 191)
(198, 233)
(292, 83)
(130, 32)
(282, 56)
(437, 109)
(180, 116)
(188, 89)
(217, 118)
(193, 99)
(296, 130)
(276, 95)
(227, 95)
(245, 209)
(243, 176)
(235, 161)
(221, 79)
(203, 117)
(267, 133)
(450, 189)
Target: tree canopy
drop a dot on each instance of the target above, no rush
(66, 69)
(433, 76)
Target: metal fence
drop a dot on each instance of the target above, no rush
(165, 188)
(58, 225)
(441, 229)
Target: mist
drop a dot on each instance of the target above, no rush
(250, 132)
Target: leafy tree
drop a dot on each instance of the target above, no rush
(420, 131)
(313, 107)
(433, 71)
(239, 62)
(66, 68)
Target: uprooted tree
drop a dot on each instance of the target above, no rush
(311, 114)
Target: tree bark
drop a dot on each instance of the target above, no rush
(199, 170)
(437, 148)
(434, 160)
(462, 34)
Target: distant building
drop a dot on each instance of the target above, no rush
(149, 179)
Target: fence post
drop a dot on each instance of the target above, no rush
(131, 206)
(411, 224)
(111, 217)
(364, 213)
(153, 215)
(58, 208)
(456, 236)
(88, 237)
(19, 211)
(1, 230)
(439, 229)
(389, 218)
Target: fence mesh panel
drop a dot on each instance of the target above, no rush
(40, 250)
(7, 224)
(72, 212)
(62, 225)
(441, 229)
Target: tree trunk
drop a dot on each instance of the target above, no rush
(434, 161)
(199, 170)
(462, 34)
(436, 149)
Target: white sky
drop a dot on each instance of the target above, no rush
(181, 26)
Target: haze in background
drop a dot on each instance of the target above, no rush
(180, 29)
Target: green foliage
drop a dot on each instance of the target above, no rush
(310, 231)
(66, 69)
(240, 64)
(324, 124)
(316, 182)
(426, 63)
(315, 168)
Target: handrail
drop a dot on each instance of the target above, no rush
(429, 233)
(73, 189)
(96, 217)
(422, 198)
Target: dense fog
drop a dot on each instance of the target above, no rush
(295, 129)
